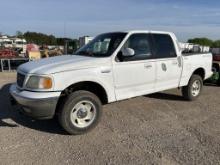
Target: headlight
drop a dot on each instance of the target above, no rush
(39, 82)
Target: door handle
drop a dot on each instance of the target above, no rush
(147, 66)
(174, 62)
(105, 70)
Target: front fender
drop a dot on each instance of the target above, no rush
(65, 79)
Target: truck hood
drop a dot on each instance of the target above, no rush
(61, 63)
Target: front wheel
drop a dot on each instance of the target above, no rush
(194, 88)
(80, 112)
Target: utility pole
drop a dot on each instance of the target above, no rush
(65, 40)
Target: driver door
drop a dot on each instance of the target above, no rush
(135, 75)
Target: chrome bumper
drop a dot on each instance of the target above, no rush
(40, 105)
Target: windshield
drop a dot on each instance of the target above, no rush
(103, 45)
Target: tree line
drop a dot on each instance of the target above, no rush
(205, 42)
(44, 39)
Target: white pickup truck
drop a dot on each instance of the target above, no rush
(112, 67)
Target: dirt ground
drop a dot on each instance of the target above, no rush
(156, 129)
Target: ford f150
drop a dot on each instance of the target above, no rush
(112, 67)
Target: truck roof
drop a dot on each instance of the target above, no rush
(145, 31)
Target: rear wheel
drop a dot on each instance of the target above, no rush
(80, 112)
(194, 88)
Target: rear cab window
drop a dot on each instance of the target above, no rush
(163, 46)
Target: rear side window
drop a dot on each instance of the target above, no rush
(164, 47)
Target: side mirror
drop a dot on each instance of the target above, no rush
(128, 52)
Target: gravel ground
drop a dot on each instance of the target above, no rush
(156, 129)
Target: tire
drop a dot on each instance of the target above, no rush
(191, 93)
(80, 112)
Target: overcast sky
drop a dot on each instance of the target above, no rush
(74, 18)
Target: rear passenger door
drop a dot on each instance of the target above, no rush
(167, 64)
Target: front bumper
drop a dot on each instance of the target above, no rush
(40, 105)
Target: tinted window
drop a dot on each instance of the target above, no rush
(164, 46)
(140, 43)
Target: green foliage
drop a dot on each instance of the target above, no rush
(216, 44)
(60, 41)
(71, 43)
(40, 38)
(74, 44)
(201, 41)
(205, 42)
(43, 39)
(19, 34)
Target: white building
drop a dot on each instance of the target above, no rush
(19, 43)
(84, 40)
(8, 42)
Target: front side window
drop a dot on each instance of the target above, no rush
(164, 46)
(141, 44)
(103, 45)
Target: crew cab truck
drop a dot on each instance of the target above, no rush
(112, 67)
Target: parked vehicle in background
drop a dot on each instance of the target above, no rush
(112, 67)
(216, 65)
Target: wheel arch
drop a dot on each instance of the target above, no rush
(200, 72)
(90, 86)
